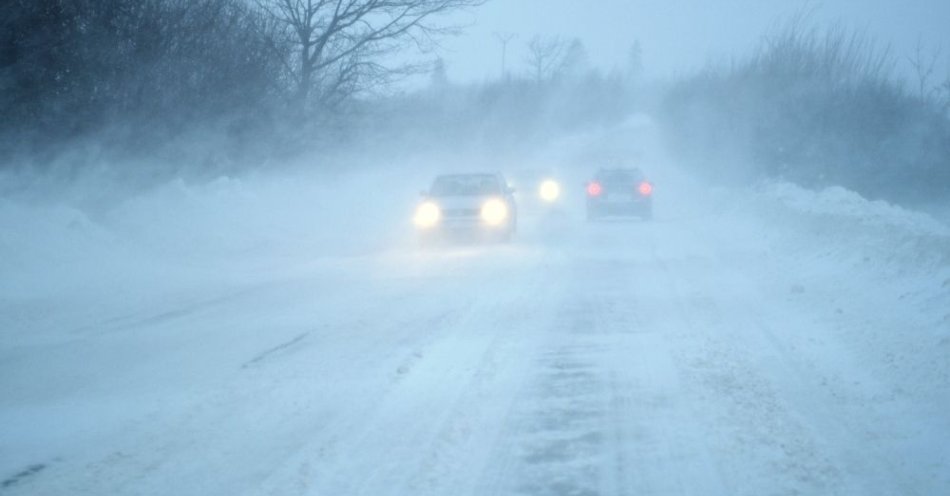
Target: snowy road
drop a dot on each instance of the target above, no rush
(681, 356)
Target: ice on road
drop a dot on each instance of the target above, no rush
(713, 351)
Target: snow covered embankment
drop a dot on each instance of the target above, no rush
(884, 270)
(180, 243)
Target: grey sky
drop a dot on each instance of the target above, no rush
(679, 35)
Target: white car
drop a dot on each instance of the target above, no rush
(467, 206)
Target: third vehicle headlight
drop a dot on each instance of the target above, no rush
(427, 215)
(494, 212)
(549, 190)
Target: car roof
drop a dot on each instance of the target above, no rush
(618, 172)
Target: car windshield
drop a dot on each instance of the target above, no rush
(466, 185)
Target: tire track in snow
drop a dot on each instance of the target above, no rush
(270, 352)
(597, 414)
(257, 419)
(422, 435)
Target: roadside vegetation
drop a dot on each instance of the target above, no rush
(208, 87)
(196, 84)
(200, 88)
(817, 107)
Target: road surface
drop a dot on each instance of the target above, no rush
(697, 354)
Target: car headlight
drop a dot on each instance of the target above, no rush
(549, 191)
(494, 212)
(427, 215)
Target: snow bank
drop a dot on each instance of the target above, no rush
(44, 245)
(66, 261)
(863, 230)
(255, 217)
(841, 203)
(898, 256)
(881, 271)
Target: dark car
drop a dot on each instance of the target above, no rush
(472, 205)
(619, 192)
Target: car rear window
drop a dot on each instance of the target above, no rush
(620, 176)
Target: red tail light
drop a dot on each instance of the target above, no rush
(594, 189)
(645, 188)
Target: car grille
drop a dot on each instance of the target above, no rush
(462, 212)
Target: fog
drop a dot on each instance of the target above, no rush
(215, 277)
(681, 35)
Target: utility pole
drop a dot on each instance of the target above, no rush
(504, 39)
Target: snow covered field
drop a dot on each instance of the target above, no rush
(276, 336)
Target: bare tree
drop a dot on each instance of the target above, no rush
(504, 39)
(945, 94)
(945, 86)
(340, 43)
(575, 64)
(545, 57)
(924, 67)
(634, 68)
(438, 75)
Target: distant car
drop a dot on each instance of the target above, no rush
(467, 206)
(616, 192)
(540, 192)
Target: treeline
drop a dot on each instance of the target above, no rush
(207, 85)
(553, 90)
(138, 72)
(195, 81)
(816, 107)
(512, 114)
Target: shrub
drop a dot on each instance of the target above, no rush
(815, 107)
